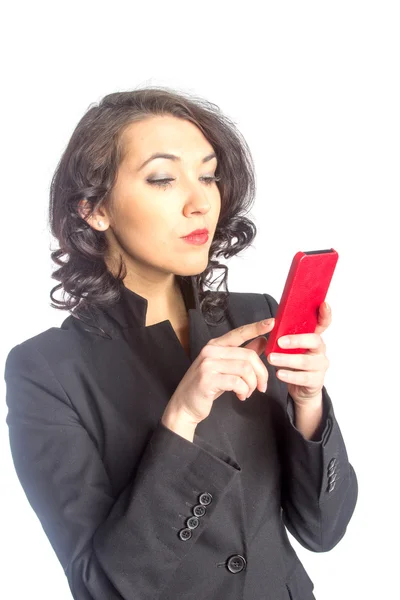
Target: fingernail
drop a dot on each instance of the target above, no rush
(284, 342)
(267, 321)
(327, 306)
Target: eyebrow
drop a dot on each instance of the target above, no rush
(173, 157)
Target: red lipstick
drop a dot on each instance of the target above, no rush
(197, 237)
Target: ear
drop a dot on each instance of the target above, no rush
(98, 219)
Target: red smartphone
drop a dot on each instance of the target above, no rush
(305, 290)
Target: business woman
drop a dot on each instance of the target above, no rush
(162, 452)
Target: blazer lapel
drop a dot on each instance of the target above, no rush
(129, 312)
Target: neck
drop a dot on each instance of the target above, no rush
(164, 298)
(161, 290)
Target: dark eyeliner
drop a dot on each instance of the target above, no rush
(166, 181)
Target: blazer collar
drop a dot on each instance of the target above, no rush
(129, 313)
(131, 308)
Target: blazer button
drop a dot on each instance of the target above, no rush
(192, 522)
(332, 463)
(199, 510)
(236, 563)
(205, 499)
(185, 534)
(331, 486)
(332, 478)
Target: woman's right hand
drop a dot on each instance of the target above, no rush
(222, 366)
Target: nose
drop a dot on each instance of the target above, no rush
(197, 200)
(199, 205)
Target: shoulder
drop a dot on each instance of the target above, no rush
(53, 346)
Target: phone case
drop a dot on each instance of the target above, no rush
(305, 290)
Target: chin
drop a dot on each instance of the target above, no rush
(189, 270)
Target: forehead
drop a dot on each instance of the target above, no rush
(164, 134)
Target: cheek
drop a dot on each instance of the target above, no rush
(216, 202)
(214, 213)
(145, 225)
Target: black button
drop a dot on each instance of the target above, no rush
(205, 499)
(331, 470)
(185, 534)
(331, 486)
(236, 563)
(332, 478)
(199, 510)
(192, 522)
(332, 463)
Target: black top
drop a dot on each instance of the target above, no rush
(135, 511)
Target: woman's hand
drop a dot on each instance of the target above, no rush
(222, 366)
(305, 377)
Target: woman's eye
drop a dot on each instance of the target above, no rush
(164, 183)
(160, 182)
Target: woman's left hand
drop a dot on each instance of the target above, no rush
(306, 381)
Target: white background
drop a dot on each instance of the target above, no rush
(314, 88)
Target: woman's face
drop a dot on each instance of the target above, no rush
(146, 221)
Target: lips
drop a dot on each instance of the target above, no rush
(197, 232)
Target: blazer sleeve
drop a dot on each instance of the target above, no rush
(110, 547)
(319, 485)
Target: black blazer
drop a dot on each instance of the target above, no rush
(133, 510)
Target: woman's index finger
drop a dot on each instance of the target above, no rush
(237, 337)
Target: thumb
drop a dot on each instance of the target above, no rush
(258, 345)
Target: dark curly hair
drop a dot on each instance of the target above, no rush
(88, 170)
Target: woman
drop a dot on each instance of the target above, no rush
(152, 475)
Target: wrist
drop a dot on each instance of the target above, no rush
(310, 404)
(179, 422)
(308, 419)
